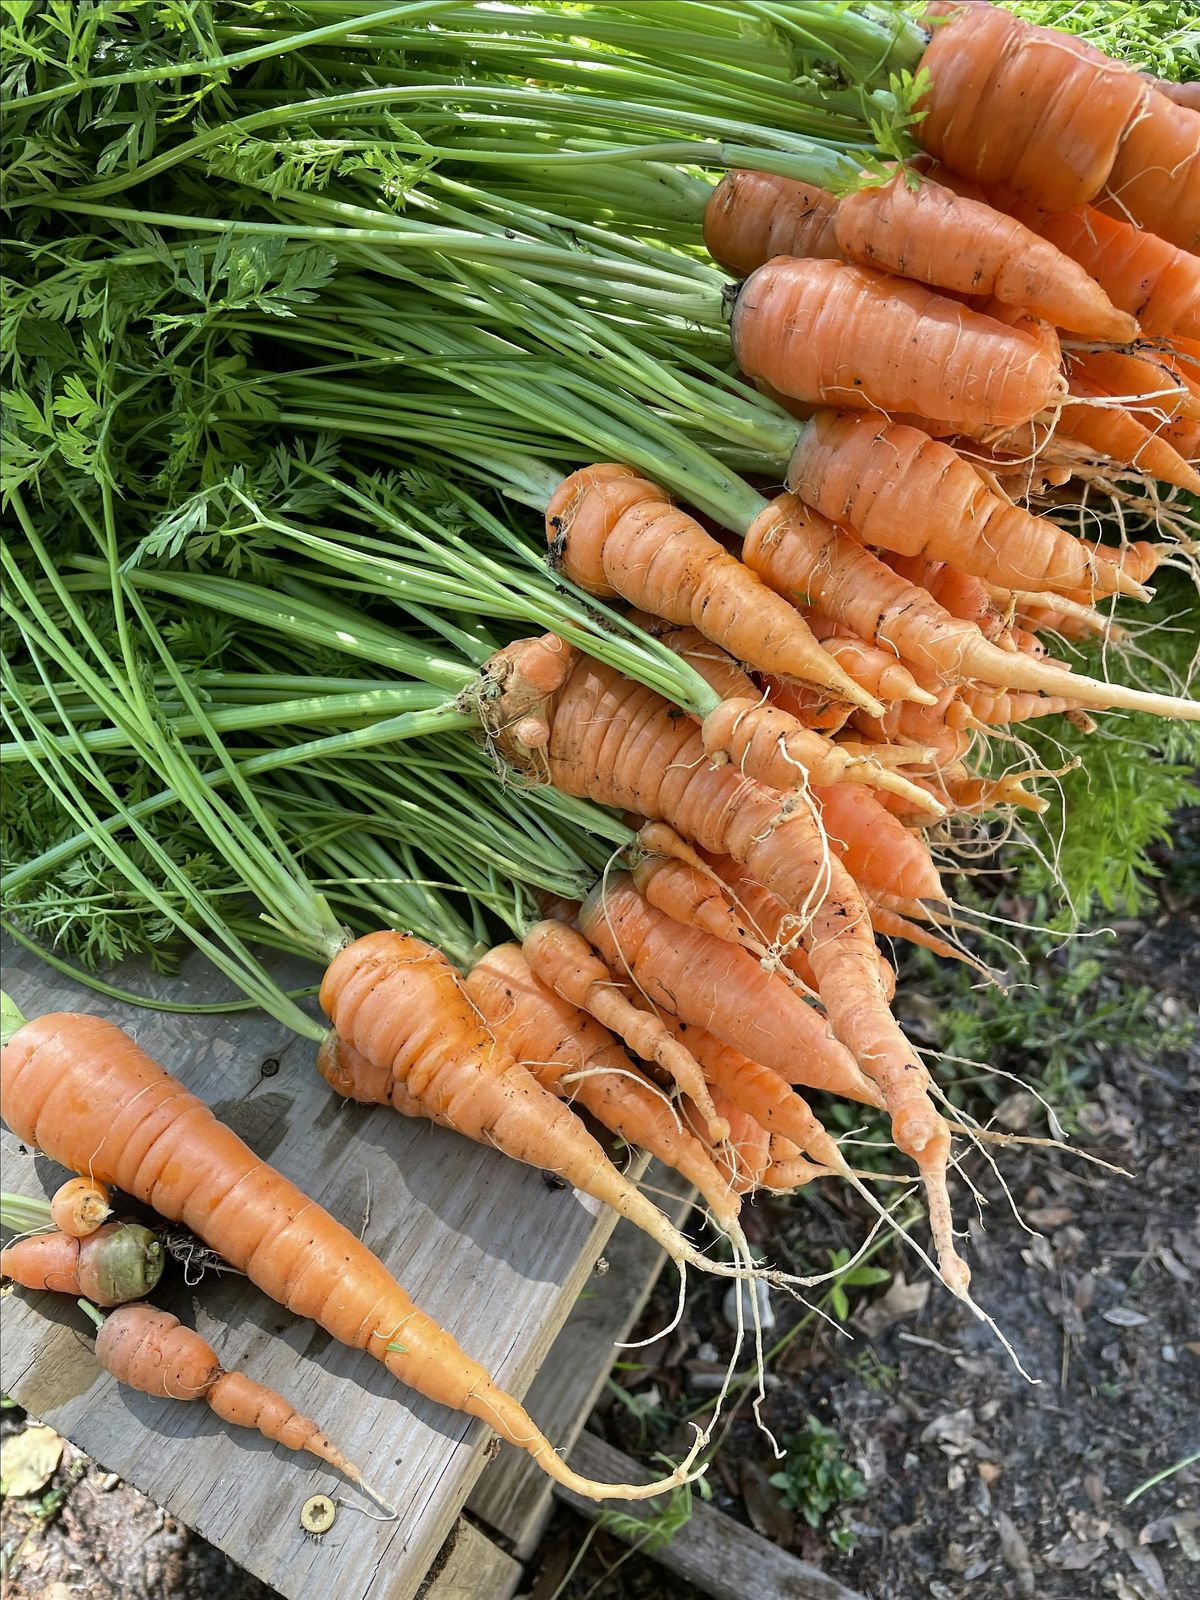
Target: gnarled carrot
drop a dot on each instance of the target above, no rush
(614, 533)
(82, 1091)
(79, 1206)
(911, 494)
(116, 1262)
(842, 335)
(152, 1351)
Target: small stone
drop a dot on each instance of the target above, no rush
(740, 1292)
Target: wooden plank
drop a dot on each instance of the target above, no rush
(513, 1498)
(717, 1554)
(483, 1245)
(470, 1567)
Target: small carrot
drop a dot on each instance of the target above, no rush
(81, 1090)
(842, 335)
(79, 1206)
(798, 552)
(879, 853)
(878, 670)
(564, 961)
(688, 974)
(152, 1351)
(869, 474)
(613, 533)
(1151, 377)
(573, 1055)
(117, 1262)
(1116, 435)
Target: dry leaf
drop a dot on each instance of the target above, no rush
(1124, 1317)
(901, 1300)
(28, 1460)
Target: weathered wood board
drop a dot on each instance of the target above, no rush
(485, 1246)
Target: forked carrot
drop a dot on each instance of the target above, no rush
(78, 1088)
(116, 1262)
(79, 1206)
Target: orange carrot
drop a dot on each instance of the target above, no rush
(800, 553)
(79, 1206)
(117, 1262)
(82, 1091)
(565, 963)
(889, 924)
(686, 973)
(842, 335)
(751, 217)
(899, 489)
(613, 533)
(1000, 707)
(152, 1351)
(1143, 374)
(571, 1054)
(962, 594)
(809, 707)
(1183, 94)
(1115, 434)
(879, 853)
(878, 670)
(1154, 281)
(1056, 120)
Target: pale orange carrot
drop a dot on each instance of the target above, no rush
(79, 1206)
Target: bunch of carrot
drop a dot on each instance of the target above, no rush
(776, 706)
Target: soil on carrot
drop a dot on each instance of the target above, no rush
(942, 1472)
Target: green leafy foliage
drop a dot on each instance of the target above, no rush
(1162, 36)
(816, 1478)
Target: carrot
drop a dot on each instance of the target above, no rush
(1142, 374)
(752, 216)
(877, 670)
(744, 1157)
(563, 960)
(763, 1094)
(82, 1091)
(962, 594)
(768, 744)
(616, 742)
(613, 533)
(686, 973)
(809, 707)
(1056, 120)
(798, 552)
(153, 1352)
(870, 474)
(352, 1076)
(574, 1056)
(940, 238)
(79, 1206)
(697, 896)
(1001, 707)
(1055, 614)
(117, 1262)
(878, 851)
(889, 924)
(1154, 281)
(1184, 435)
(1183, 94)
(925, 727)
(845, 336)
(1114, 434)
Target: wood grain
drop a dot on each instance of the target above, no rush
(482, 1244)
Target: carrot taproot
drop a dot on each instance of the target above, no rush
(1142, 378)
(614, 533)
(877, 670)
(929, 233)
(576, 1057)
(351, 1075)
(79, 1206)
(801, 553)
(753, 216)
(116, 1262)
(685, 972)
(744, 1156)
(1055, 120)
(999, 708)
(890, 924)
(564, 961)
(1156, 282)
(962, 594)
(152, 1351)
(80, 1089)
(610, 740)
(1117, 435)
(899, 489)
(809, 707)
(842, 335)
(878, 851)
(925, 727)
(1183, 434)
